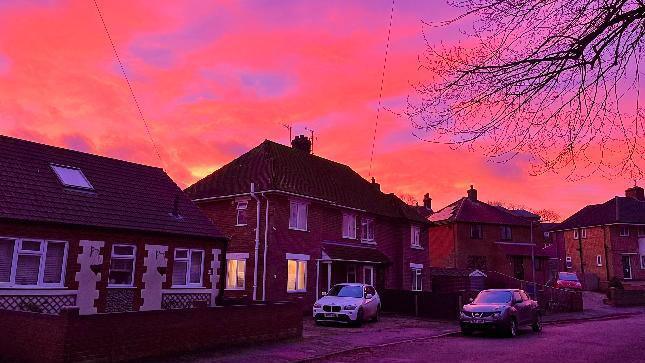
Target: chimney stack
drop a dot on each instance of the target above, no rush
(302, 143)
(376, 185)
(635, 192)
(472, 194)
(427, 202)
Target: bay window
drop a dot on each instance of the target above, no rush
(188, 268)
(298, 215)
(367, 230)
(32, 262)
(122, 265)
(349, 226)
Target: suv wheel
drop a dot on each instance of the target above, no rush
(377, 314)
(537, 324)
(512, 330)
(359, 318)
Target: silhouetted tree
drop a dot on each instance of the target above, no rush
(554, 81)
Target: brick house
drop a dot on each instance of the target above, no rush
(299, 223)
(471, 234)
(608, 239)
(101, 234)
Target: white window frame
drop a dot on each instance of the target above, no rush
(237, 269)
(598, 260)
(568, 262)
(415, 237)
(583, 232)
(620, 232)
(417, 279)
(133, 256)
(298, 258)
(298, 204)
(348, 231)
(368, 225)
(371, 272)
(42, 253)
(242, 206)
(576, 234)
(189, 262)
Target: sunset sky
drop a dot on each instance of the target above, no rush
(215, 79)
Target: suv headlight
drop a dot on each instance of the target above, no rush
(497, 315)
(349, 307)
(317, 306)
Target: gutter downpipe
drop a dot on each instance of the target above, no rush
(266, 238)
(257, 241)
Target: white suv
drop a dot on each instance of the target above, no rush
(348, 303)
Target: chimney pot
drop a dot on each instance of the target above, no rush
(427, 201)
(376, 185)
(302, 143)
(472, 194)
(635, 192)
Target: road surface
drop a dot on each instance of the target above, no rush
(613, 340)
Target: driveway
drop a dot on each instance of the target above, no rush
(322, 340)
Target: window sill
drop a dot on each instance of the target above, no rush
(417, 248)
(296, 291)
(368, 242)
(121, 287)
(235, 289)
(298, 229)
(31, 287)
(241, 225)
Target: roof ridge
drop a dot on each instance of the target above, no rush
(79, 152)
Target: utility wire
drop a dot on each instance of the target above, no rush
(127, 80)
(380, 94)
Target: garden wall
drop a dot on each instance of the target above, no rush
(70, 337)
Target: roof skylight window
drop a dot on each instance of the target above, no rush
(71, 177)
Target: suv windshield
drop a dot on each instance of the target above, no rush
(568, 276)
(493, 297)
(346, 291)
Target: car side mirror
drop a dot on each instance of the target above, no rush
(470, 299)
(369, 296)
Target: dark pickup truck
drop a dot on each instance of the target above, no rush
(502, 309)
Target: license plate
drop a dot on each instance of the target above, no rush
(478, 321)
(330, 315)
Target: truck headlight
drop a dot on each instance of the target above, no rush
(349, 307)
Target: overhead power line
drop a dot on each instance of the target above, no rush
(380, 94)
(127, 81)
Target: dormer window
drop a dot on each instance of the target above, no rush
(71, 177)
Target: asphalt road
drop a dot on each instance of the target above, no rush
(618, 340)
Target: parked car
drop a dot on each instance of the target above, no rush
(502, 309)
(348, 303)
(565, 280)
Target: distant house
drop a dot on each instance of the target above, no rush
(607, 239)
(102, 234)
(471, 234)
(300, 223)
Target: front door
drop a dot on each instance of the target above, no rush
(518, 267)
(627, 267)
(368, 275)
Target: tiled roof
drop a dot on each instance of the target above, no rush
(346, 252)
(615, 210)
(276, 167)
(125, 196)
(475, 211)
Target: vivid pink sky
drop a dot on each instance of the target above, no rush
(214, 79)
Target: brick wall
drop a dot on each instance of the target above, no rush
(125, 336)
(324, 223)
(74, 234)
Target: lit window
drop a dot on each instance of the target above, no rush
(367, 230)
(188, 268)
(241, 213)
(298, 216)
(417, 279)
(598, 260)
(71, 177)
(34, 263)
(476, 231)
(507, 235)
(583, 233)
(624, 231)
(415, 233)
(296, 276)
(349, 226)
(122, 265)
(351, 273)
(235, 274)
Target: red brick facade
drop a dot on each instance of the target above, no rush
(324, 225)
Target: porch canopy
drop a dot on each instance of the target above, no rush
(521, 249)
(334, 251)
